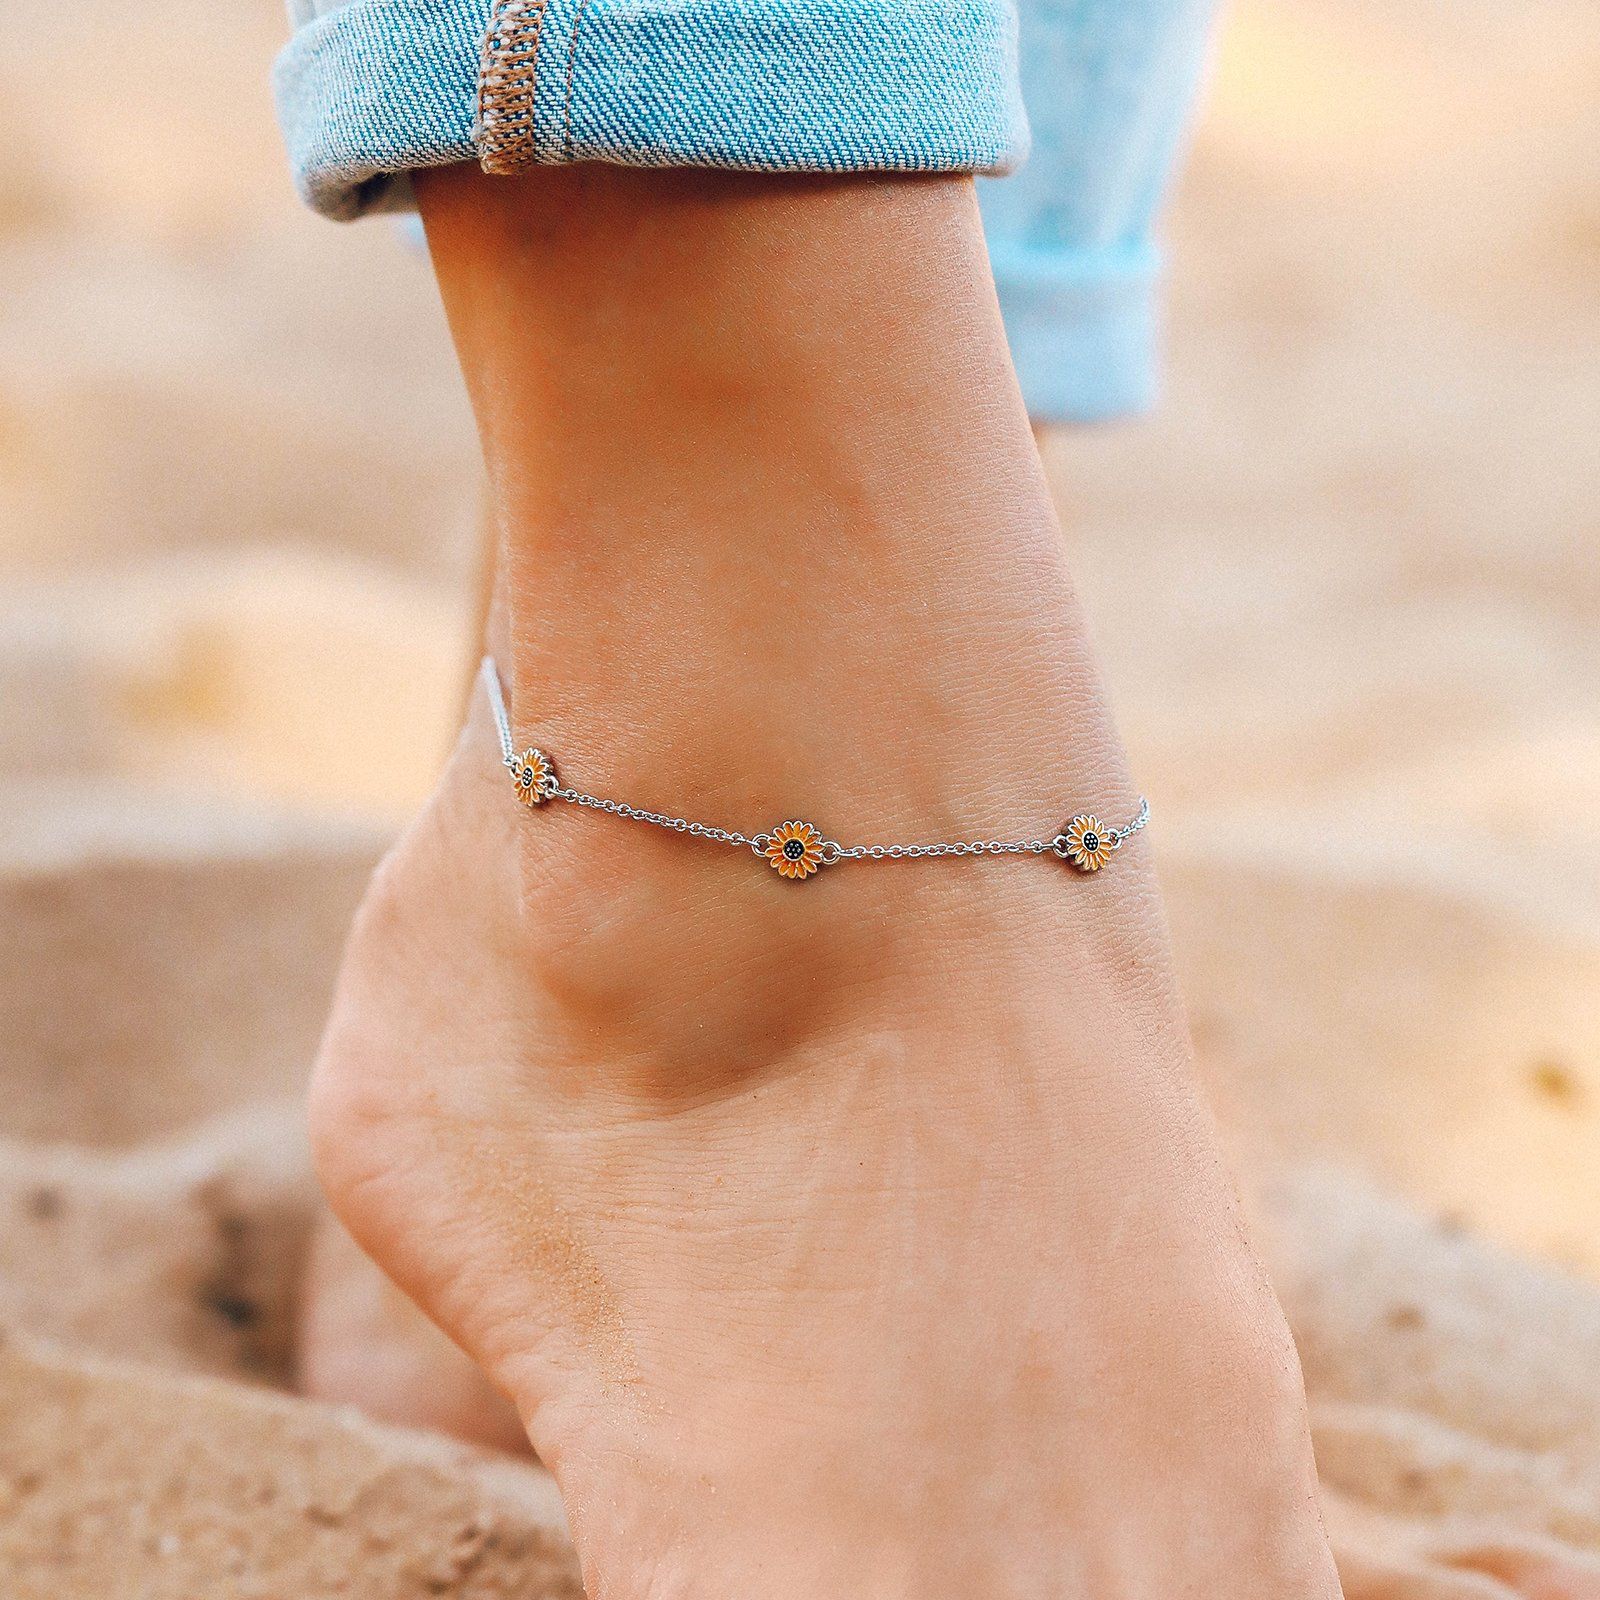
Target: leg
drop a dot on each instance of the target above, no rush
(865, 1234)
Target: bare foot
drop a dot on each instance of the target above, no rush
(861, 1236)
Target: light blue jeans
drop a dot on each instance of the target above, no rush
(368, 90)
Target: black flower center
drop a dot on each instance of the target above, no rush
(793, 849)
(1091, 841)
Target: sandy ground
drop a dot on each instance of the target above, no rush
(1346, 588)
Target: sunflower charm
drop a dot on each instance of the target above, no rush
(1085, 842)
(535, 777)
(794, 849)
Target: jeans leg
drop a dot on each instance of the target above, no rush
(1109, 86)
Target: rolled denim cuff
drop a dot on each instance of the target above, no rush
(372, 89)
(1084, 326)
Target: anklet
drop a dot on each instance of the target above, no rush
(797, 849)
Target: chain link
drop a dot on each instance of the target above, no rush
(1119, 834)
(831, 850)
(656, 819)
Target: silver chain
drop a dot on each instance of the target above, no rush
(831, 850)
(657, 819)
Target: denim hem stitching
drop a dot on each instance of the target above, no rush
(504, 130)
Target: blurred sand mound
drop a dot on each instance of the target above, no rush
(126, 1484)
(1346, 590)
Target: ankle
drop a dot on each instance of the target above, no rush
(682, 966)
(777, 544)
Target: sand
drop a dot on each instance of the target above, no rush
(127, 1484)
(1345, 589)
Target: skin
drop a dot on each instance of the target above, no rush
(863, 1235)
